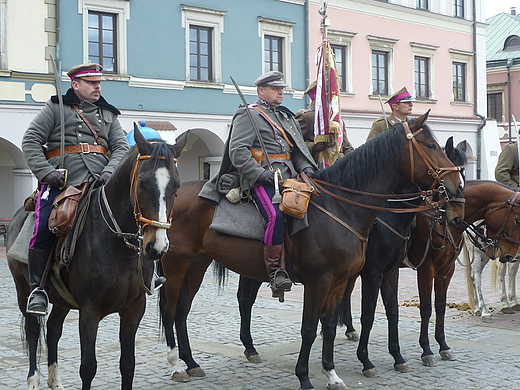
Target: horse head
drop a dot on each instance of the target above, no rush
(430, 166)
(154, 183)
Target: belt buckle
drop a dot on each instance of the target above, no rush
(85, 148)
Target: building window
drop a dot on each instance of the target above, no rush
(494, 106)
(458, 8)
(340, 53)
(379, 72)
(203, 29)
(459, 81)
(512, 43)
(421, 76)
(421, 4)
(102, 40)
(273, 53)
(200, 53)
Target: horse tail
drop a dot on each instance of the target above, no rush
(220, 273)
(467, 261)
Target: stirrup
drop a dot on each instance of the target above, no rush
(284, 284)
(157, 281)
(33, 294)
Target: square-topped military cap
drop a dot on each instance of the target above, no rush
(401, 96)
(272, 78)
(90, 72)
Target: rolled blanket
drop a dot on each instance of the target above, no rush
(228, 181)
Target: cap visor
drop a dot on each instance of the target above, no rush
(92, 78)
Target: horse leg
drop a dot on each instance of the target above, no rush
(346, 311)
(506, 306)
(190, 287)
(389, 287)
(441, 292)
(329, 324)
(54, 332)
(246, 296)
(369, 293)
(128, 325)
(425, 284)
(32, 338)
(512, 271)
(88, 328)
(480, 260)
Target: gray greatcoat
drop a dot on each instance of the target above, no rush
(238, 158)
(44, 130)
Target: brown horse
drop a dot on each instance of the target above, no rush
(124, 230)
(327, 253)
(489, 200)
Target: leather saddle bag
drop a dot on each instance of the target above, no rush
(295, 198)
(64, 209)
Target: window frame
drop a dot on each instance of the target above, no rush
(384, 55)
(458, 9)
(456, 75)
(341, 66)
(199, 67)
(509, 46)
(382, 44)
(281, 29)
(425, 51)
(422, 5)
(501, 104)
(209, 18)
(344, 40)
(101, 42)
(268, 64)
(422, 77)
(121, 11)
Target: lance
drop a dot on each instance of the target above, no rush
(383, 109)
(61, 169)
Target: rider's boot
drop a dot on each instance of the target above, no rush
(38, 300)
(279, 279)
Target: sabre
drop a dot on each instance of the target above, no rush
(383, 109)
(62, 170)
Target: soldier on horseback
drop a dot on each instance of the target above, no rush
(91, 131)
(288, 155)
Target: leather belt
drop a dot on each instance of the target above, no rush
(280, 156)
(81, 148)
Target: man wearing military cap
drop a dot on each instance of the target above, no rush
(506, 171)
(306, 118)
(92, 133)
(401, 104)
(288, 154)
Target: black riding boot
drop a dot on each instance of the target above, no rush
(279, 279)
(38, 300)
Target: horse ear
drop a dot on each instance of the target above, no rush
(448, 148)
(419, 122)
(462, 145)
(180, 143)
(140, 141)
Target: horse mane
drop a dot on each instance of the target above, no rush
(159, 148)
(360, 166)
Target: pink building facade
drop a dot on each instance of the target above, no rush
(440, 59)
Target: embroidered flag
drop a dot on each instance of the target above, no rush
(328, 126)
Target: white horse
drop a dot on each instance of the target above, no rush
(475, 261)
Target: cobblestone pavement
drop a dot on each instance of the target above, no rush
(487, 352)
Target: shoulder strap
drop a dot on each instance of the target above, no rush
(84, 119)
(273, 123)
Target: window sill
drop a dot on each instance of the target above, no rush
(426, 101)
(464, 104)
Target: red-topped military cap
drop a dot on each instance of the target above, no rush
(90, 72)
(400, 96)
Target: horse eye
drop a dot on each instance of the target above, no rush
(432, 146)
(517, 222)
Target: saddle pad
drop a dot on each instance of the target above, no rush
(20, 248)
(237, 219)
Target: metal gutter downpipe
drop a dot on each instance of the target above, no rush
(475, 68)
(508, 66)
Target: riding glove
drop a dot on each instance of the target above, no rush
(103, 178)
(54, 179)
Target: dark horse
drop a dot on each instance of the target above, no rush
(327, 253)
(106, 275)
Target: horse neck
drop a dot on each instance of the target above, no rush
(481, 197)
(117, 192)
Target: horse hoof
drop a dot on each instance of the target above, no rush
(196, 372)
(429, 360)
(371, 373)
(507, 310)
(403, 367)
(180, 376)
(337, 386)
(447, 354)
(254, 358)
(516, 308)
(352, 336)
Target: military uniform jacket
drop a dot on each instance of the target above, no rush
(380, 125)
(506, 171)
(237, 156)
(44, 130)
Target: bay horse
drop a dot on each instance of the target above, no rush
(327, 253)
(475, 258)
(112, 266)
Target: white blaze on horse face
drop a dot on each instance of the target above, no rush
(162, 176)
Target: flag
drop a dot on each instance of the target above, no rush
(328, 126)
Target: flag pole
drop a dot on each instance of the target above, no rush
(322, 10)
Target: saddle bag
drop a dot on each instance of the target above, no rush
(295, 198)
(64, 209)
